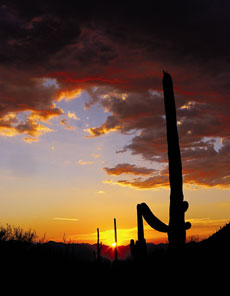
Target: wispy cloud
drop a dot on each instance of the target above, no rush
(82, 162)
(30, 140)
(65, 219)
(95, 155)
(207, 222)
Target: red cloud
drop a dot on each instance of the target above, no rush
(66, 77)
(126, 168)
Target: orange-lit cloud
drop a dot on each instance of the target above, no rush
(126, 168)
(29, 97)
(32, 128)
(64, 122)
(68, 95)
(153, 182)
(70, 128)
(109, 126)
(45, 115)
(82, 162)
(30, 140)
(72, 115)
(11, 126)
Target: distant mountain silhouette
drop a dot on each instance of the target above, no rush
(221, 237)
(73, 262)
(218, 243)
(211, 257)
(85, 252)
(218, 240)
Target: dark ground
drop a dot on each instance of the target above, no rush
(29, 268)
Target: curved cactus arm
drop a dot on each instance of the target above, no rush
(187, 225)
(151, 219)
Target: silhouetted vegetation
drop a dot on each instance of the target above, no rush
(21, 256)
(16, 234)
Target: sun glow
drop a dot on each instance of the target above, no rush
(114, 245)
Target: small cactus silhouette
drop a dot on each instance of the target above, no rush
(177, 227)
(115, 234)
(99, 246)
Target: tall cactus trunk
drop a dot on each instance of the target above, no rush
(177, 227)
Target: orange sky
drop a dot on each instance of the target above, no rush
(82, 122)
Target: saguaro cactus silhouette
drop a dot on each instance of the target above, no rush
(99, 246)
(176, 229)
(177, 225)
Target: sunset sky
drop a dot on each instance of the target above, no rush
(82, 125)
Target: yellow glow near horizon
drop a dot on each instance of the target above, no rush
(201, 228)
(123, 236)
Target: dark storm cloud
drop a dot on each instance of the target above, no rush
(29, 40)
(122, 48)
(191, 29)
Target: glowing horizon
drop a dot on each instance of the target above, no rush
(82, 119)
